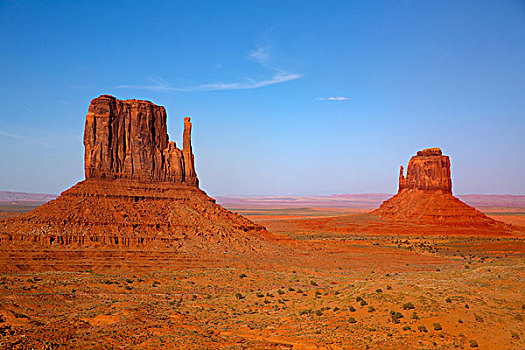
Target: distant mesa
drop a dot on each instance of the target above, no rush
(425, 195)
(139, 189)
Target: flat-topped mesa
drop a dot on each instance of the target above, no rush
(129, 140)
(429, 170)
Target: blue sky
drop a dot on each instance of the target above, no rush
(286, 97)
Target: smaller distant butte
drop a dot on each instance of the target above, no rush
(425, 195)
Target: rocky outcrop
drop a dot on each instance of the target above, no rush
(425, 195)
(428, 170)
(129, 140)
(140, 189)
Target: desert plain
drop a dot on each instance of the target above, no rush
(366, 289)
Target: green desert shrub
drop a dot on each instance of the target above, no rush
(422, 329)
(352, 309)
(396, 316)
(239, 296)
(473, 344)
(371, 309)
(437, 327)
(408, 306)
(351, 320)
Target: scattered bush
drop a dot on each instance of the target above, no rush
(514, 335)
(305, 312)
(371, 309)
(406, 328)
(396, 316)
(363, 303)
(193, 297)
(318, 312)
(351, 320)
(388, 287)
(268, 294)
(358, 299)
(466, 306)
(129, 287)
(259, 295)
(422, 329)
(352, 309)
(280, 292)
(291, 289)
(129, 280)
(408, 306)
(239, 296)
(460, 321)
(336, 309)
(479, 318)
(415, 316)
(437, 327)
(473, 344)
(299, 290)
(379, 290)
(448, 300)
(242, 275)
(314, 283)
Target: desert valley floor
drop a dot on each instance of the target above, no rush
(350, 288)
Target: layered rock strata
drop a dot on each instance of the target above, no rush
(140, 189)
(425, 195)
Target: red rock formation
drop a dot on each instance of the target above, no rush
(428, 170)
(139, 189)
(425, 195)
(129, 140)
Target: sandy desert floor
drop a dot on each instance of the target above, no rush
(341, 291)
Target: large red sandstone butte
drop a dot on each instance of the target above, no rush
(139, 189)
(129, 140)
(425, 195)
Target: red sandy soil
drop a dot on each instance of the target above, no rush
(454, 289)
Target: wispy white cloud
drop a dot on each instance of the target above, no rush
(261, 55)
(336, 98)
(278, 78)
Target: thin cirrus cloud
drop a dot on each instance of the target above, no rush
(260, 55)
(335, 98)
(244, 85)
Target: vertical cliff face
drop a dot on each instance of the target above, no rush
(129, 140)
(429, 170)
